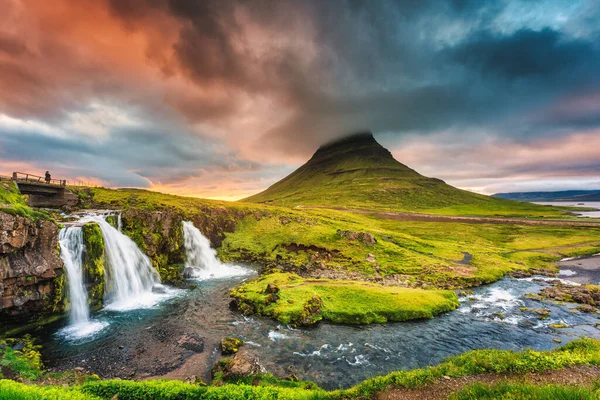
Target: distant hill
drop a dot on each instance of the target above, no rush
(564, 195)
(357, 172)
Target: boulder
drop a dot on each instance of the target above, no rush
(243, 364)
(363, 237)
(230, 345)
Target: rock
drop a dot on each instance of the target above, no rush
(230, 345)
(370, 258)
(292, 378)
(30, 268)
(542, 313)
(19, 346)
(158, 288)
(272, 288)
(311, 312)
(586, 308)
(195, 380)
(363, 237)
(271, 298)
(243, 364)
(191, 342)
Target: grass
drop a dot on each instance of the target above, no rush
(522, 391)
(509, 363)
(417, 253)
(25, 363)
(306, 301)
(12, 202)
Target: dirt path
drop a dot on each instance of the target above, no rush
(403, 216)
(443, 388)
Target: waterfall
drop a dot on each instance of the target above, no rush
(201, 260)
(119, 222)
(131, 280)
(71, 252)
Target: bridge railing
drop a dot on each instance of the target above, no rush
(23, 176)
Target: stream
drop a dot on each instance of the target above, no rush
(154, 341)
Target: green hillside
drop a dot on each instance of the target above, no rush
(357, 172)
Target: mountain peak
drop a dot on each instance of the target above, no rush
(356, 146)
(356, 171)
(352, 139)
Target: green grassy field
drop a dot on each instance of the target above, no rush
(300, 301)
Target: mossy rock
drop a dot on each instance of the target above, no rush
(94, 264)
(230, 345)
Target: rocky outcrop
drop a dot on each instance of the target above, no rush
(363, 237)
(243, 364)
(30, 267)
(159, 234)
(94, 262)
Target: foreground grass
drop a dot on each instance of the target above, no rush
(291, 299)
(510, 363)
(516, 391)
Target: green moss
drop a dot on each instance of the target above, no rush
(60, 299)
(230, 345)
(306, 301)
(558, 325)
(12, 202)
(25, 363)
(94, 263)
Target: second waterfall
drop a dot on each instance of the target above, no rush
(131, 280)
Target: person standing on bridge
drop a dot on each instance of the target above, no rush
(48, 178)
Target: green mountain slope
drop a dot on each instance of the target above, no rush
(357, 172)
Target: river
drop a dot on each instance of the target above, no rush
(166, 338)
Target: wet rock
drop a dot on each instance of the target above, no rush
(230, 345)
(159, 289)
(586, 308)
(586, 294)
(192, 342)
(542, 313)
(243, 364)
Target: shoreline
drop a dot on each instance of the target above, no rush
(583, 270)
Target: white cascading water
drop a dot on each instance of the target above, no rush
(201, 261)
(71, 252)
(131, 280)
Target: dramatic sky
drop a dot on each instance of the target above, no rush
(222, 98)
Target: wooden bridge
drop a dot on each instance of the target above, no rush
(41, 193)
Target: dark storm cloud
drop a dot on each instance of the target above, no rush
(390, 66)
(527, 54)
